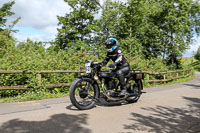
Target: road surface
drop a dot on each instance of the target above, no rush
(166, 109)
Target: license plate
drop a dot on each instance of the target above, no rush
(88, 67)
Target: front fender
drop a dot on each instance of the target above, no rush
(92, 81)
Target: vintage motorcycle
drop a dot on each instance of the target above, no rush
(85, 90)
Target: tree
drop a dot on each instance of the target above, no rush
(6, 39)
(197, 55)
(5, 12)
(136, 25)
(176, 25)
(78, 26)
(164, 28)
(155, 28)
(109, 20)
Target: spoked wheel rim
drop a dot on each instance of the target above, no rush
(134, 87)
(84, 93)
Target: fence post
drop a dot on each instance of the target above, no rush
(164, 79)
(147, 77)
(177, 75)
(170, 75)
(39, 78)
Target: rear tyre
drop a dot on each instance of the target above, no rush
(83, 94)
(135, 86)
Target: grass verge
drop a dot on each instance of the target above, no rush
(33, 95)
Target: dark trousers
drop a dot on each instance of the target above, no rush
(121, 73)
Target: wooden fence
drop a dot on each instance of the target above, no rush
(150, 77)
(167, 76)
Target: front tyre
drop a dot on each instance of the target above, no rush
(83, 93)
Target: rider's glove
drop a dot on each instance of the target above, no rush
(113, 65)
(100, 65)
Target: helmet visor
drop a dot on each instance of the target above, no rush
(109, 46)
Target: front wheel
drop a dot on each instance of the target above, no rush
(135, 87)
(83, 94)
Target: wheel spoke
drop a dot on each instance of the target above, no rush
(85, 90)
(135, 88)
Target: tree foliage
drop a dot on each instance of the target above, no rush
(197, 55)
(164, 28)
(159, 28)
(6, 39)
(78, 26)
(109, 20)
(5, 12)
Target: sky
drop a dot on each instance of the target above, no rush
(39, 20)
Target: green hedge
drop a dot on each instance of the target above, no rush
(34, 57)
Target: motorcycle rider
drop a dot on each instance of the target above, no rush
(122, 66)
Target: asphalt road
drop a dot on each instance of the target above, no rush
(166, 109)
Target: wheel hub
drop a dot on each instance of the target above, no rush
(83, 93)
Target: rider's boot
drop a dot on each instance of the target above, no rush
(123, 92)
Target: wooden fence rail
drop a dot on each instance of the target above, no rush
(149, 77)
(168, 76)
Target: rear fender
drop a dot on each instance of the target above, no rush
(138, 76)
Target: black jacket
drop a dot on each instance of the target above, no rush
(117, 57)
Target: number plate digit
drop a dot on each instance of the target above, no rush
(87, 67)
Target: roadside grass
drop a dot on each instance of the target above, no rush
(33, 95)
(42, 94)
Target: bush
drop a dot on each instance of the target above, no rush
(33, 56)
(197, 55)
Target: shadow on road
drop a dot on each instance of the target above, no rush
(193, 85)
(101, 102)
(169, 119)
(60, 123)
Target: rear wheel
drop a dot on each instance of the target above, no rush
(83, 94)
(134, 87)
